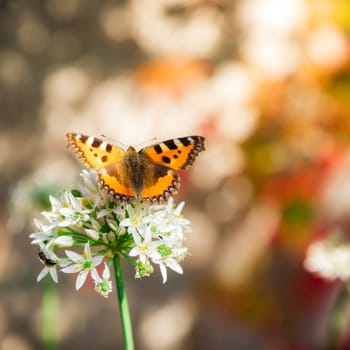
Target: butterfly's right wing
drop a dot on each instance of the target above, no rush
(178, 153)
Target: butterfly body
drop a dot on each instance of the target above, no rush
(143, 175)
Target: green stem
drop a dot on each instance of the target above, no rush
(132, 262)
(337, 319)
(123, 305)
(50, 313)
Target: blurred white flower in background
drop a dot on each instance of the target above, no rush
(329, 258)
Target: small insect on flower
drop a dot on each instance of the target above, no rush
(46, 260)
(50, 261)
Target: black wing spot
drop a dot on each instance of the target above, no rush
(104, 159)
(176, 156)
(108, 147)
(166, 159)
(96, 142)
(158, 149)
(170, 144)
(185, 141)
(83, 138)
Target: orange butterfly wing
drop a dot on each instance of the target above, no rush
(178, 153)
(93, 152)
(97, 154)
(160, 188)
(115, 183)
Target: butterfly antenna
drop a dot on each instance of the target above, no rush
(112, 140)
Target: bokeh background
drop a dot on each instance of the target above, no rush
(267, 82)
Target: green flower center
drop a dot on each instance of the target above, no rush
(164, 250)
(87, 265)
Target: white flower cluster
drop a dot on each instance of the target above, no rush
(144, 234)
(329, 258)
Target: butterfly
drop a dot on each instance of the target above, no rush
(130, 175)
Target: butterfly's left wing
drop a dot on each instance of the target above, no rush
(178, 153)
(106, 157)
(93, 152)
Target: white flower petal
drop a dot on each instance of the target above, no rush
(147, 234)
(63, 262)
(49, 215)
(102, 213)
(67, 212)
(95, 276)
(66, 223)
(92, 233)
(106, 273)
(179, 208)
(38, 238)
(175, 267)
(81, 279)
(55, 203)
(42, 274)
(71, 269)
(96, 260)
(87, 251)
(163, 271)
(134, 251)
(143, 258)
(137, 238)
(65, 241)
(154, 255)
(112, 224)
(74, 256)
(53, 273)
(38, 223)
(126, 222)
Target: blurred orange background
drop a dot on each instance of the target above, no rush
(267, 82)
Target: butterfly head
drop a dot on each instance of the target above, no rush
(131, 149)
